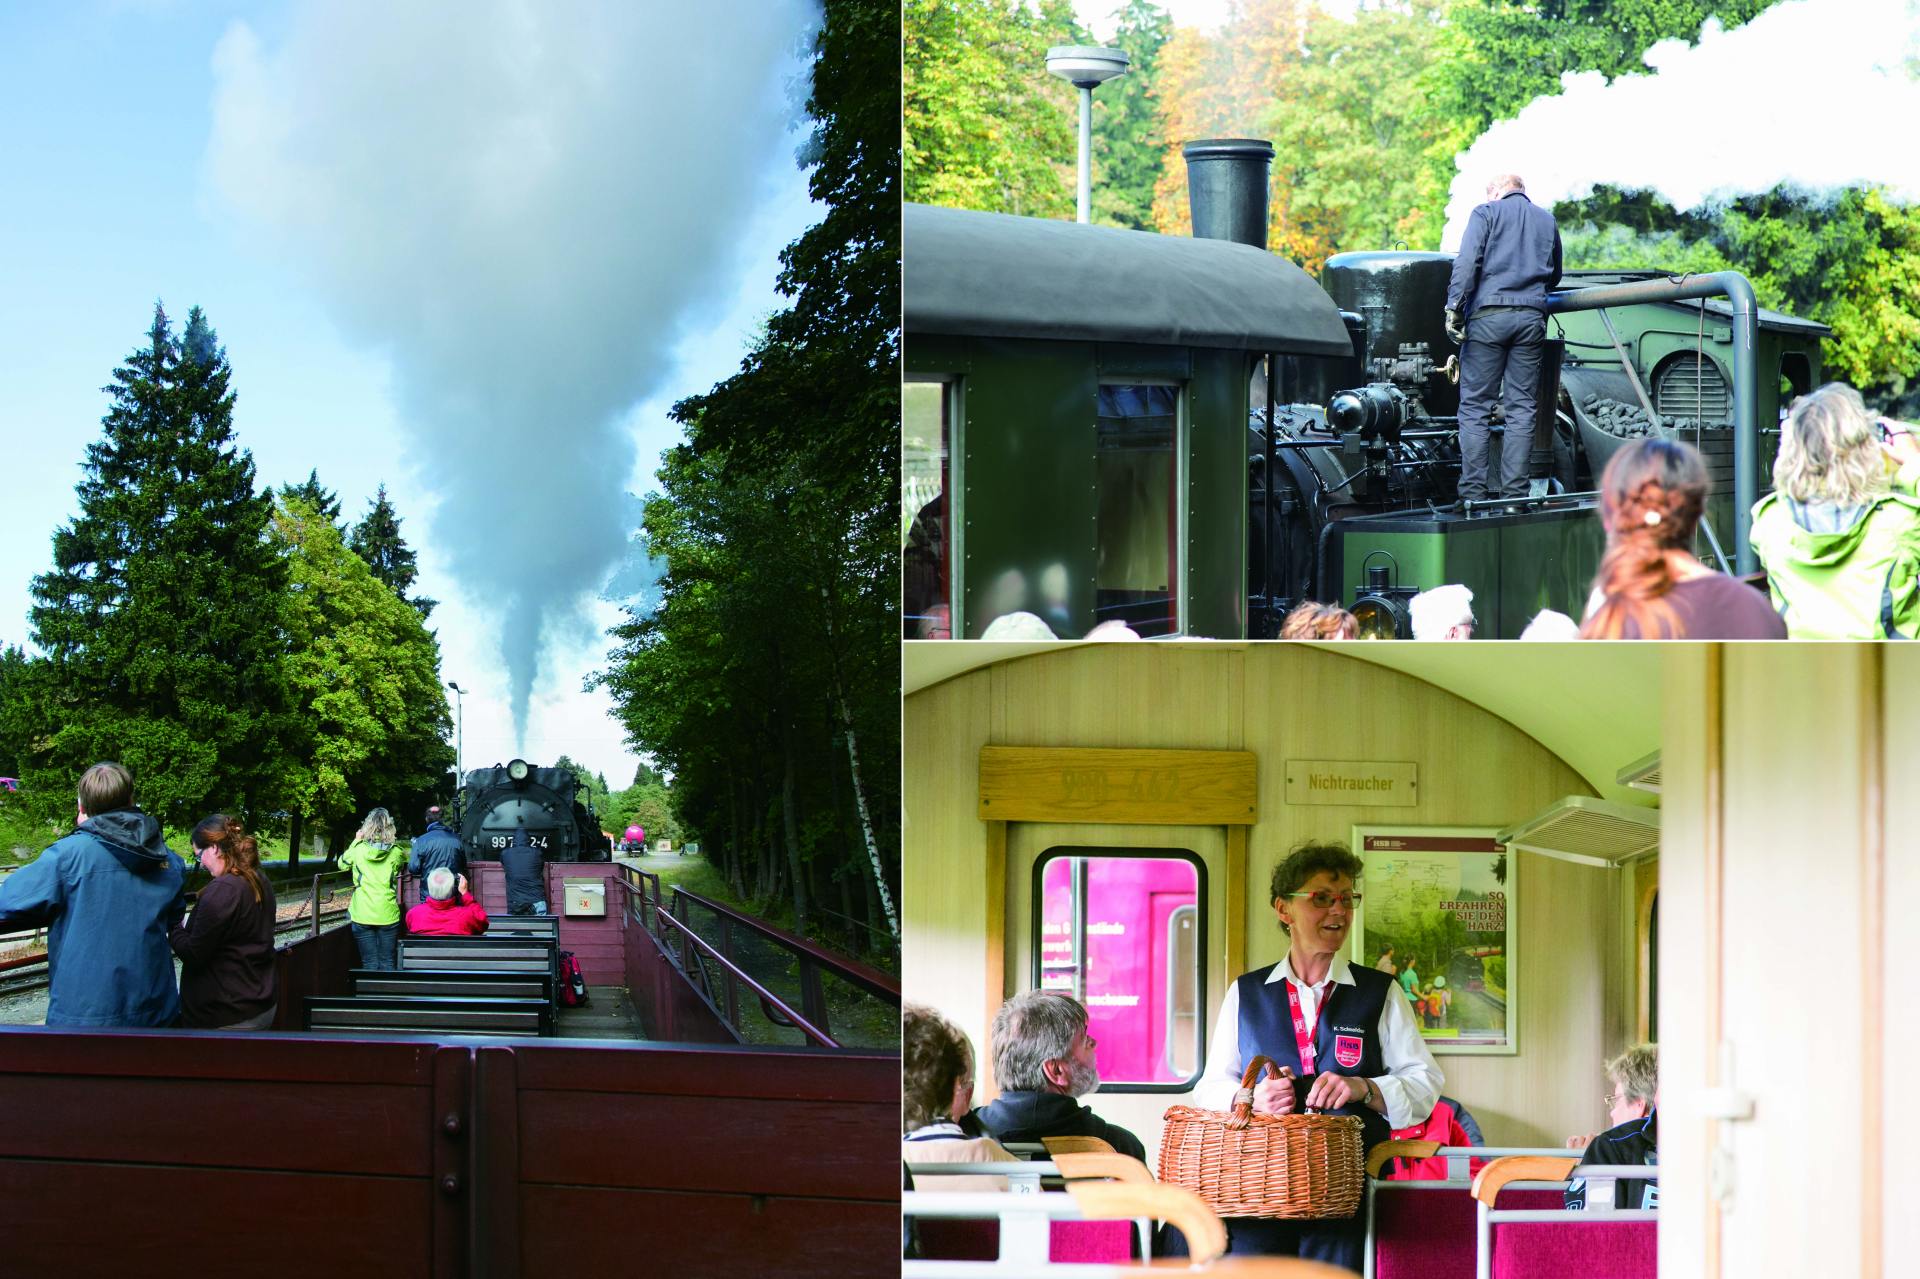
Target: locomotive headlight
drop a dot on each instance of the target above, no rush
(1380, 609)
(517, 770)
(1384, 614)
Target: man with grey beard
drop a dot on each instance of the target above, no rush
(1043, 1060)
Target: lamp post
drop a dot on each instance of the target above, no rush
(459, 734)
(1086, 67)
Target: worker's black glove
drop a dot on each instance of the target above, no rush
(1456, 326)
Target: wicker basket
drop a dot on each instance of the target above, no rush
(1248, 1165)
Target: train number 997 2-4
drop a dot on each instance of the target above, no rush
(534, 839)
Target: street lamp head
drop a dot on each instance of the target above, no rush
(1085, 66)
(455, 687)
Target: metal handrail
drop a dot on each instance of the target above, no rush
(644, 897)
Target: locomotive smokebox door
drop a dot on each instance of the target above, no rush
(586, 897)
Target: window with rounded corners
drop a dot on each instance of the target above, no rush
(1123, 930)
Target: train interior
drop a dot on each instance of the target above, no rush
(1576, 856)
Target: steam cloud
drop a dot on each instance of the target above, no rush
(522, 203)
(1814, 94)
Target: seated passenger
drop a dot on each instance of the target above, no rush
(226, 944)
(449, 910)
(1443, 613)
(936, 1086)
(1633, 1106)
(1043, 1059)
(1319, 621)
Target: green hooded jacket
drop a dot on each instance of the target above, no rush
(1844, 572)
(373, 866)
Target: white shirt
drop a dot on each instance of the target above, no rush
(1410, 1086)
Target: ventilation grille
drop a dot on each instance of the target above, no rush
(1591, 831)
(1675, 393)
(1642, 774)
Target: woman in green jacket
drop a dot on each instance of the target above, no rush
(375, 859)
(1840, 533)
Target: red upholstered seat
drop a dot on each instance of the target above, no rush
(954, 1239)
(1590, 1248)
(1428, 1234)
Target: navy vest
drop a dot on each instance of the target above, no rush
(1349, 1021)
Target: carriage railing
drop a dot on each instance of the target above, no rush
(732, 959)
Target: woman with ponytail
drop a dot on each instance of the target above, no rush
(226, 944)
(1650, 586)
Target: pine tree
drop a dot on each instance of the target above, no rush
(376, 539)
(316, 495)
(160, 618)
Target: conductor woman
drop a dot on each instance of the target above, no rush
(1347, 1028)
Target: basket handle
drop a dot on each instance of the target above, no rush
(1243, 1100)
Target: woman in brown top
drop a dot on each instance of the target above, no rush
(226, 945)
(1650, 586)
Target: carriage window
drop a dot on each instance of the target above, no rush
(926, 557)
(1138, 531)
(1122, 931)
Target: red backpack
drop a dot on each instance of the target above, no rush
(573, 982)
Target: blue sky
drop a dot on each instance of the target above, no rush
(471, 251)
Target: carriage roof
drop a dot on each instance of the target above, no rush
(978, 274)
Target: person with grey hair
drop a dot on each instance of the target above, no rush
(1343, 1035)
(108, 895)
(1443, 613)
(1509, 261)
(1633, 1103)
(449, 910)
(1044, 1061)
(1839, 535)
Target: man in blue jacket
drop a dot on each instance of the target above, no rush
(1496, 309)
(108, 894)
(437, 846)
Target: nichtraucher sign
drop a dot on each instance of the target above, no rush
(1352, 782)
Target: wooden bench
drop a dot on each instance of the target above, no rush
(428, 1014)
(493, 954)
(456, 982)
(523, 926)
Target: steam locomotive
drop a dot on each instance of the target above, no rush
(1193, 435)
(545, 803)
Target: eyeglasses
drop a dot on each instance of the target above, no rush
(1323, 900)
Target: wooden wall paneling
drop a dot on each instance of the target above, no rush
(596, 1230)
(944, 912)
(72, 1219)
(1875, 1010)
(994, 960)
(1898, 1177)
(1132, 696)
(1235, 915)
(1150, 787)
(1794, 986)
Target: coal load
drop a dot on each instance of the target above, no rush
(1628, 421)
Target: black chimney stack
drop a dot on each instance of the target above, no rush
(1227, 188)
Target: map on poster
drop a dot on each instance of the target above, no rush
(1437, 913)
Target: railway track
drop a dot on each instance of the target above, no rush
(29, 972)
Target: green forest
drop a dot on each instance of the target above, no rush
(249, 650)
(1367, 116)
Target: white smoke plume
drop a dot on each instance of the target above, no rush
(1816, 95)
(525, 204)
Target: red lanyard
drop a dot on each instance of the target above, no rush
(1302, 1033)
